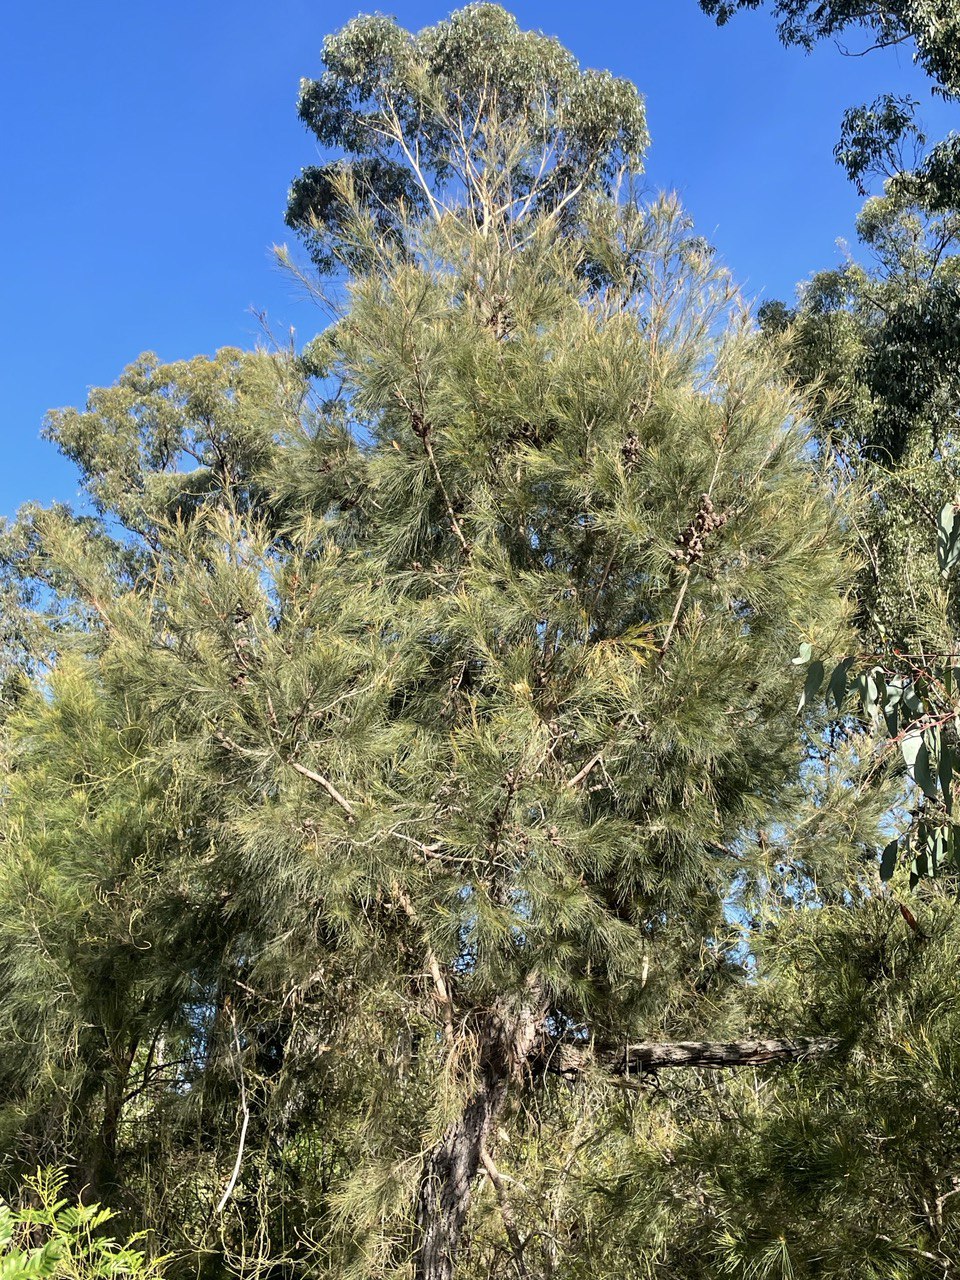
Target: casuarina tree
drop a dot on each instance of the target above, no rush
(459, 646)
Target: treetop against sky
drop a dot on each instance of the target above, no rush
(147, 175)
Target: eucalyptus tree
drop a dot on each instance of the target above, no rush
(457, 649)
(876, 345)
(883, 137)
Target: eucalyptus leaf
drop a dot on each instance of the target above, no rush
(871, 690)
(948, 537)
(916, 757)
(804, 655)
(945, 770)
(811, 686)
(888, 860)
(837, 684)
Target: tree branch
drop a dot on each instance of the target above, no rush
(327, 785)
(734, 1053)
(444, 999)
(506, 1209)
(245, 1112)
(653, 1055)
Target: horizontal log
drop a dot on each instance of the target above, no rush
(721, 1053)
(575, 1061)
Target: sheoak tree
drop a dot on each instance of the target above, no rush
(457, 649)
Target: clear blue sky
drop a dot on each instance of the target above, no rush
(148, 148)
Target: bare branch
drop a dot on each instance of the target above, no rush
(735, 1053)
(245, 1110)
(327, 785)
(506, 1209)
(439, 982)
(715, 1054)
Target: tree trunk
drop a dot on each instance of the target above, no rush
(446, 1183)
(97, 1168)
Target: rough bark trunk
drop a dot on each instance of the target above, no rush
(450, 1169)
(446, 1183)
(97, 1169)
(507, 1040)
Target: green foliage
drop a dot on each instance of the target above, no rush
(882, 139)
(840, 1167)
(910, 703)
(873, 139)
(878, 350)
(472, 112)
(54, 1238)
(470, 682)
(434, 687)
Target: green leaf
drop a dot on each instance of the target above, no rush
(895, 690)
(804, 656)
(811, 686)
(871, 690)
(917, 759)
(911, 699)
(948, 537)
(923, 774)
(837, 685)
(888, 859)
(936, 845)
(931, 740)
(945, 774)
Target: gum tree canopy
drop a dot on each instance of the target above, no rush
(446, 667)
(876, 344)
(882, 136)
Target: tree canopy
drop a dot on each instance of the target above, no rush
(413, 860)
(878, 345)
(882, 137)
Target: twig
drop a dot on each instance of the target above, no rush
(585, 772)
(506, 1209)
(439, 982)
(243, 1128)
(454, 522)
(676, 615)
(302, 769)
(327, 785)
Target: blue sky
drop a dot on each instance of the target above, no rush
(148, 149)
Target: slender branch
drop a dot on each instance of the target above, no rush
(676, 615)
(506, 1209)
(302, 769)
(585, 772)
(887, 42)
(327, 785)
(439, 982)
(451, 513)
(228, 1192)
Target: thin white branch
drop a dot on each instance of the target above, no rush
(243, 1128)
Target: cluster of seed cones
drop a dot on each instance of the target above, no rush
(691, 540)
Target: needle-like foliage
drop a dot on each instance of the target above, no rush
(405, 712)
